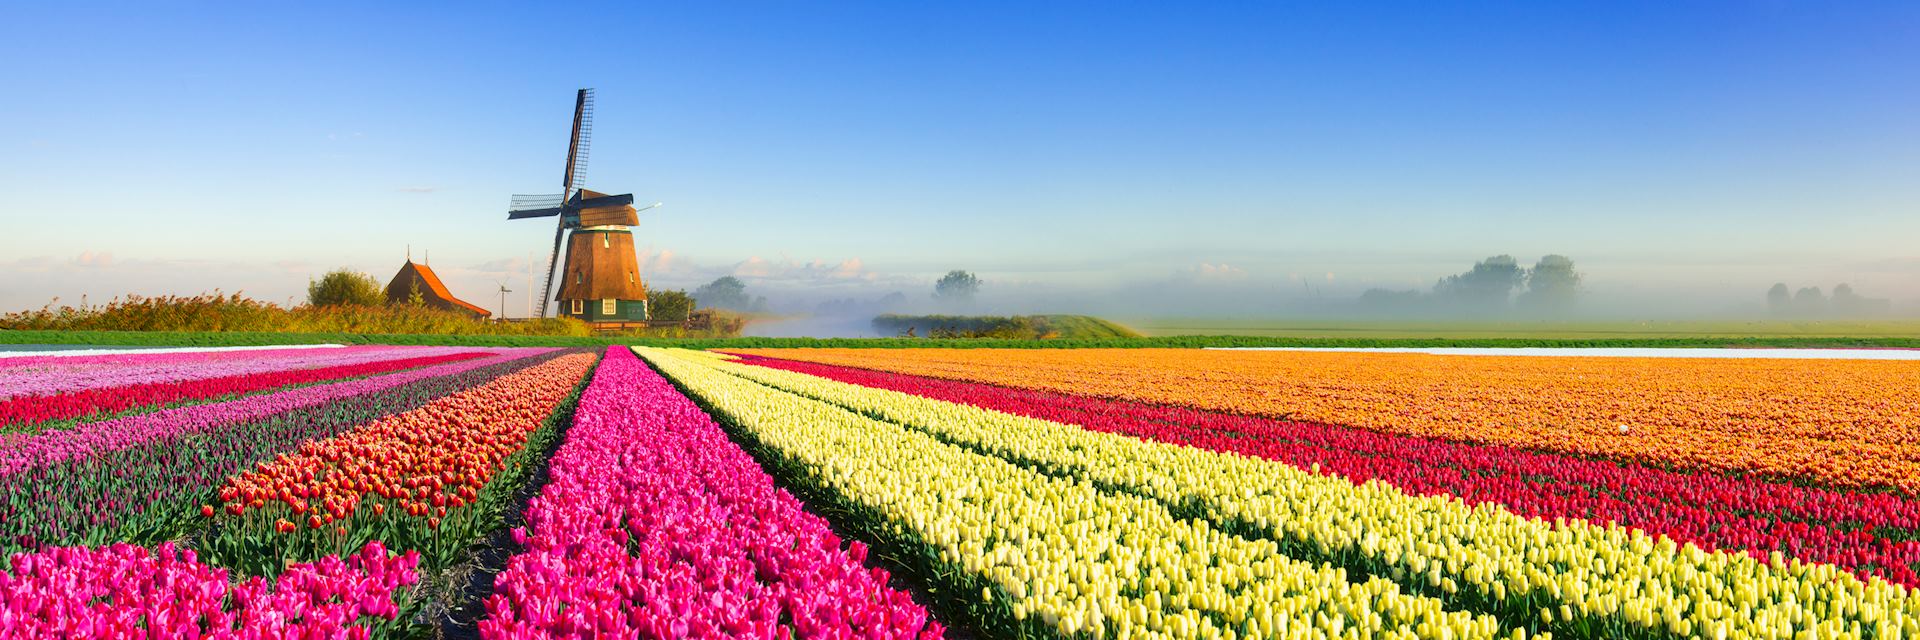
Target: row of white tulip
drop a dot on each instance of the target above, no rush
(1591, 580)
(1052, 554)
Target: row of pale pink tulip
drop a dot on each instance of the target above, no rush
(655, 525)
(128, 591)
(62, 375)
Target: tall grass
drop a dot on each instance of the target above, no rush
(236, 312)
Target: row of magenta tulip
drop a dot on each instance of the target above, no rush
(429, 479)
(129, 591)
(1576, 578)
(1049, 556)
(24, 410)
(653, 524)
(147, 484)
(39, 376)
(1872, 534)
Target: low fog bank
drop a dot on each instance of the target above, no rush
(1496, 289)
(835, 304)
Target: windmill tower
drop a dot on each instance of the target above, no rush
(601, 278)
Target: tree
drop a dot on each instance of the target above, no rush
(957, 286)
(1552, 284)
(344, 286)
(1845, 302)
(1809, 301)
(414, 296)
(1388, 301)
(1779, 300)
(1485, 287)
(725, 292)
(672, 306)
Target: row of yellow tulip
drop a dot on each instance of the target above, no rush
(1600, 581)
(1844, 423)
(1054, 555)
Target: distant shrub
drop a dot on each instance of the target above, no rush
(669, 305)
(345, 287)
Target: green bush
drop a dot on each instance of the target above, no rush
(669, 305)
(345, 287)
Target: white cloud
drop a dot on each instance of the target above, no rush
(91, 260)
(1207, 272)
(665, 263)
(815, 271)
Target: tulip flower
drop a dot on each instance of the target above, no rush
(1866, 532)
(130, 479)
(1602, 580)
(65, 398)
(1838, 423)
(1061, 557)
(123, 590)
(653, 520)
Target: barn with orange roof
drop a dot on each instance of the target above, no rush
(413, 277)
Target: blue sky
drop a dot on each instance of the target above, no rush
(1065, 151)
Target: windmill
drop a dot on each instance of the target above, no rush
(601, 281)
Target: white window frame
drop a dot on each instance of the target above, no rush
(578, 308)
(609, 307)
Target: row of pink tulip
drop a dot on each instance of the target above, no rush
(654, 524)
(19, 452)
(25, 360)
(1869, 533)
(59, 376)
(127, 591)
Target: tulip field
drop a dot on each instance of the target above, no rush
(644, 492)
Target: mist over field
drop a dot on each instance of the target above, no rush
(841, 299)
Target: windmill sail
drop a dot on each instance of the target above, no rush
(578, 144)
(537, 206)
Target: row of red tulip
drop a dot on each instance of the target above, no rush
(1870, 533)
(411, 479)
(654, 524)
(31, 409)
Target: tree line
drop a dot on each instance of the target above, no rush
(1809, 302)
(1551, 286)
